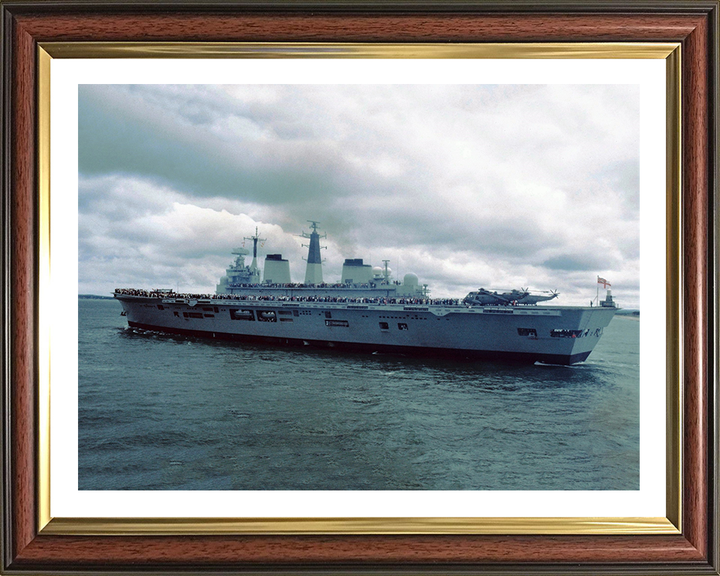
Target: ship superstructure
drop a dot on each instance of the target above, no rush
(238, 273)
(357, 279)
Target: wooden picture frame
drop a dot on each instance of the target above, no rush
(29, 546)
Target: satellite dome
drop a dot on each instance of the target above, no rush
(410, 279)
(377, 271)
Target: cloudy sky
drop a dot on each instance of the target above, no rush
(465, 185)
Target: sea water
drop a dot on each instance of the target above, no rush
(161, 412)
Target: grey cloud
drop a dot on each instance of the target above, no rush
(120, 141)
(584, 262)
(624, 179)
(513, 238)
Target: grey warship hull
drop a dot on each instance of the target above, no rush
(551, 334)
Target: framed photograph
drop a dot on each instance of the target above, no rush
(358, 288)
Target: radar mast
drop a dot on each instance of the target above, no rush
(313, 271)
(386, 272)
(255, 240)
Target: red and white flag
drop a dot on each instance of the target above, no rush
(604, 282)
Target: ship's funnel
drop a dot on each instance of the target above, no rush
(276, 270)
(355, 272)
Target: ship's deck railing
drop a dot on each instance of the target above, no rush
(271, 298)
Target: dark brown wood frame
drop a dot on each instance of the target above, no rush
(694, 24)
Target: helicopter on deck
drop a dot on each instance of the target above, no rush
(485, 297)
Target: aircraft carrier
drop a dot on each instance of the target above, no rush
(368, 311)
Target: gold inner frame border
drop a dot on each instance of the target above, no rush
(671, 524)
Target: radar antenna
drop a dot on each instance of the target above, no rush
(255, 240)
